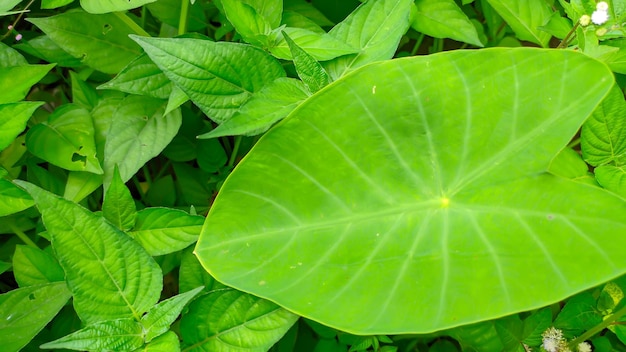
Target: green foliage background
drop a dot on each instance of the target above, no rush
(291, 175)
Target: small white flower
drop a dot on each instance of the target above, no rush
(553, 333)
(585, 20)
(550, 344)
(602, 6)
(599, 16)
(584, 347)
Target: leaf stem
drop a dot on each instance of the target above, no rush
(184, 12)
(22, 235)
(565, 42)
(233, 155)
(598, 328)
(418, 43)
(132, 24)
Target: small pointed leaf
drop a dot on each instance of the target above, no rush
(159, 318)
(13, 199)
(309, 70)
(110, 335)
(119, 206)
(444, 19)
(525, 17)
(13, 119)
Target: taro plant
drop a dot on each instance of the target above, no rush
(254, 175)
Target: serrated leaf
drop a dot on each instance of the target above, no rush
(142, 77)
(603, 136)
(525, 17)
(119, 206)
(111, 335)
(321, 46)
(162, 230)
(25, 311)
(13, 199)
(309, 70)
(274, 102)
(158, 320)
(18, 80)
(375, 28)
(426, 168)
(91, 38)
(217, 76)
(66, 140)
(138, 132)
(228, 319)
(444, 19)
(33, 266)
(109, 274)
(104, 6)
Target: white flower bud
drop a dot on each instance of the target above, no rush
(602, 6)
(585, 20)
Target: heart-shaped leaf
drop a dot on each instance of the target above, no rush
(405, 195)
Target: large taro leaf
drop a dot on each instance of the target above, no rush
(412, 195)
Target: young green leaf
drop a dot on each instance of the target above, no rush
(444, 19)
(217, 77)
(143, 77)
(159, 318)
(25, 311)
(274, 102)
(525, 17)
(375, 29)
(415, 175)
(119, 206)
(162, 230)
(168, 342)
(66, 140)
(612, 178)
(237, 321)
(104, 6)
(110, 275)
(111, 335)
(254, 19)
(191, 274)
(91, 38)
(309, 70)
(321, 46)
(603, 136)
(139, 131)
(33, 266)
(13, 199)
(17, 81)
(80, 184)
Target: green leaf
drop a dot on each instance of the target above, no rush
(10, 57)
(307, 9)
(612, 178)
(83, 94)
(44, 48)
(525, 17)
(110, 275)
(578, 315)
(603, 136)
(168, 11)
(534, 326)
(321, 46)
(158, 320)
(25, 311)
(162, 230)
(141, 77)
(119, 206)
(53, 4)
(112, 335)
(253, 19)
(66, 140)
(274, 102)
(167, 342)
(104, 6)
(510, 332)
(191, 274)
(13, 119)
(375, 28)
(7, 5)
(568, 163)
(423, 180)
(217, 76)
(227, 319)
(309, 70)
(17, 81)
(13, 199)
(91, 38)
(33, 266)
(444, 19)
(81, 184)
(139, 131)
